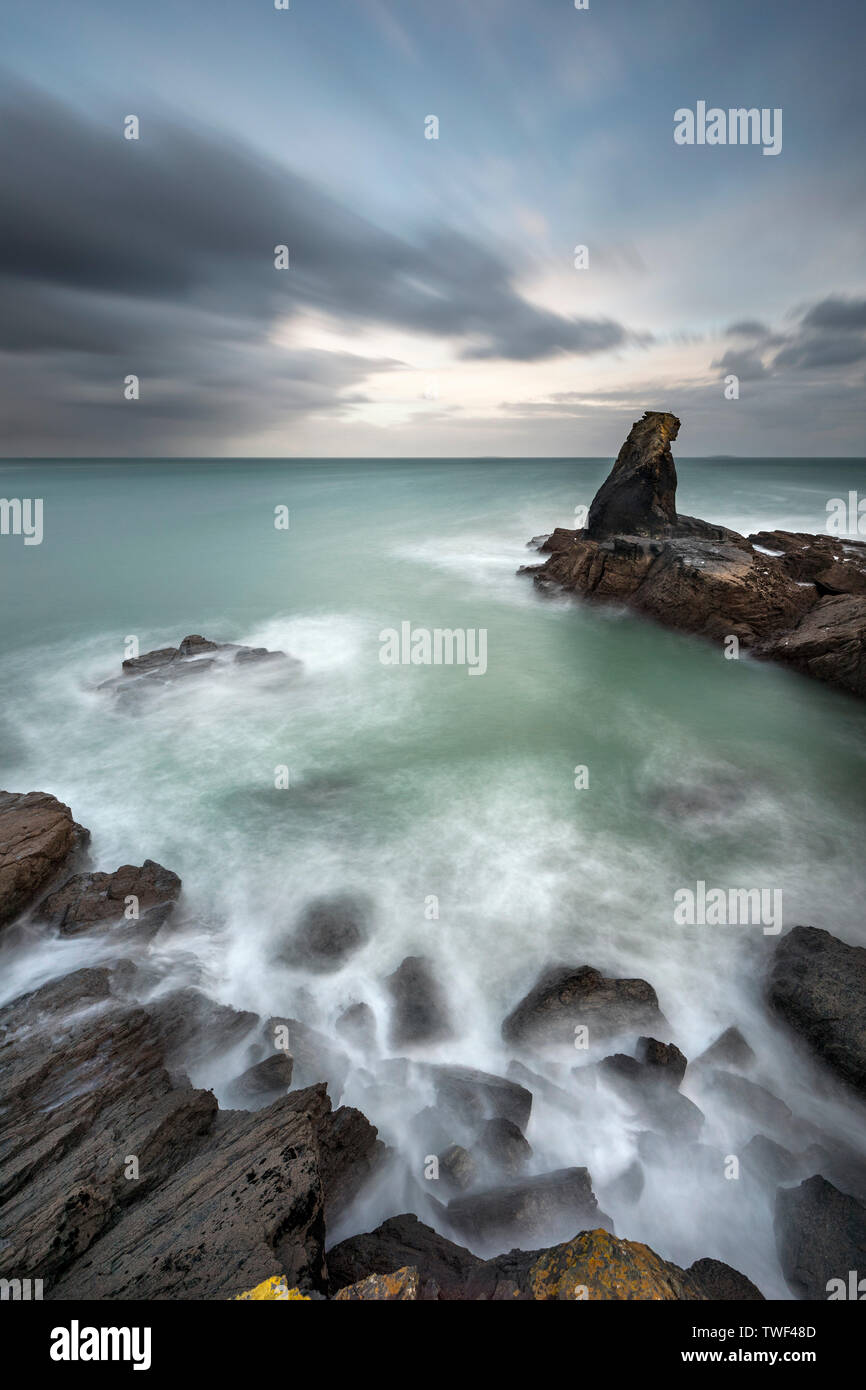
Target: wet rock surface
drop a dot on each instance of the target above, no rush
(92, 900)
(419, 1011)
(195, 657)
(39, 840)
(568, 997)
(817, 984)
(820, 1236)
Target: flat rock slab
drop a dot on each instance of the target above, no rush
(38, 841)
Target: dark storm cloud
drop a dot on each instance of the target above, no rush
(157, 256)
(747, 365)
(831, 333)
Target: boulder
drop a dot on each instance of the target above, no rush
(39, 841)
(457, 1168)
(315, 1056)
(469, 1096)
(195, 657)
(402, 1241)
(502, 1144)
(730, 1049)
(566, 997)
(357, 1026)
(262, 1083)
(720, 1282)
(749, 1098)
(99, 899)
(662, 1059)
(330, 930)
(419, 1012)
(820, 1236)
(817, 985)
(535, 1210)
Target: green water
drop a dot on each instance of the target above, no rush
(410, 783)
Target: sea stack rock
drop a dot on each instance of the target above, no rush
(638, 497)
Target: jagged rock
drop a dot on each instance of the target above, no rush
(730, 1049)
(315, 1056)
(820, 1236)
(419, 1009)
(457, 1168)
(503, 1145)
(595, 1265)
(98, 899)
(657, 1102)
(39, 841)
(262, 1083)
(833, 565)
(404, 1285)
(800, 600)
(194, 1027)
(818, 986)
(841, 1165)
(719, 1281)
(536, 1209)
(664, 1059)
(769, 1160)
(639, 495)
(398, 1242)
(471, 1096)
(750, 1098)
(828, 642)
(220, 1224)
(349, 1150)
(330, 930)
(566, 997)
(357, 1025)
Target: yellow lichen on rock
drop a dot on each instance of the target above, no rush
(402, 1285)
(274, 1289)
(596, 1265)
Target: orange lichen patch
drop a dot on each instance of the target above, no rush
(401, 1285)
(274, 1289)
(596, 1265)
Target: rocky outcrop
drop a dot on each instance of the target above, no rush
(818, 986)
(93, 900)
(793, 598)
(820, 1236)
(192, 659)
(39, 841)
(639, 495)
(567, 997)
(592, 1266)
(404, 1285)
(118, 1179)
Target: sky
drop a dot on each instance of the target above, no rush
(431, 305)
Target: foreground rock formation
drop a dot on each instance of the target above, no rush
(193, 658)
(120, 1179)
(798, 599)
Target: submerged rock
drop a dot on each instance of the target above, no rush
(39, 841)
(357, 1025)
(194, 657)
(329, 931)
(818, 986)
(730, 1049)
(567, 997)
(503, 1145)
(419, 1011)
(100, 899)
